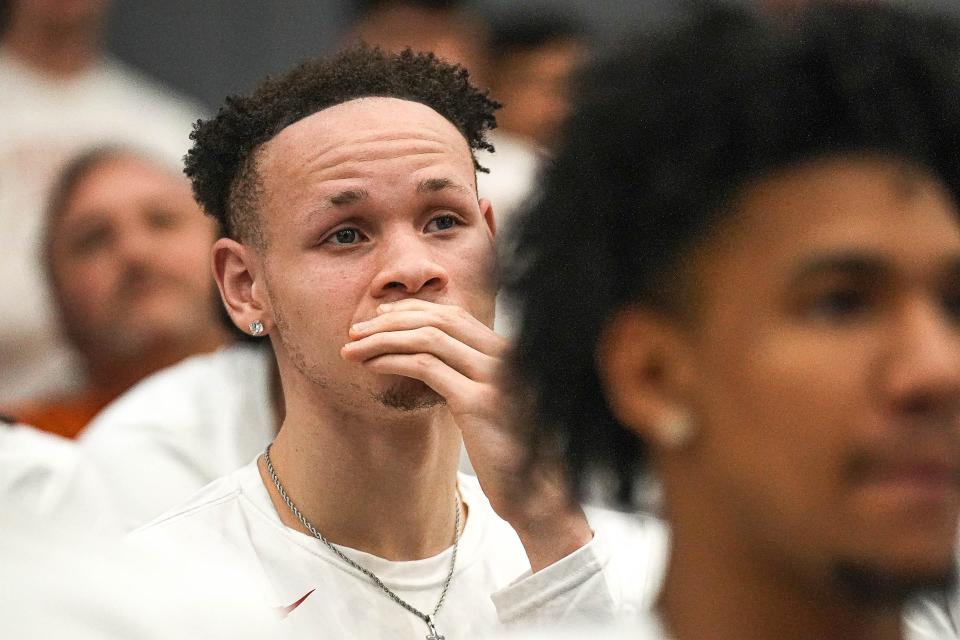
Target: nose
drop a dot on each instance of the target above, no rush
(136, 242)
(408, 268)
(925, 373)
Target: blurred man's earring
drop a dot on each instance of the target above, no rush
(256, 327)
(677, 432)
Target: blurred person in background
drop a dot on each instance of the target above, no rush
(448, 28)
(60, 93)
(126, 251)
(743, 280)
(533, 55)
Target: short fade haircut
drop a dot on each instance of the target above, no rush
(669, 133)
(222, 162)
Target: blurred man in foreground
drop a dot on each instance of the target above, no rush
(744, 280)
(126, 253)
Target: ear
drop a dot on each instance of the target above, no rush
(236, 268)
(646, 367)
(486, 211)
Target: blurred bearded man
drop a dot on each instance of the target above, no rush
(126, 254)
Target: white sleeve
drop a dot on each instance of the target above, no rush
(613, 577)
(934, 618)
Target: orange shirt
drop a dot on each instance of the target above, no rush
(65, 416)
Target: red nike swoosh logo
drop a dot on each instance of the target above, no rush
(283, 612)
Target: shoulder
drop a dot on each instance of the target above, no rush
(201, 389)
(210, 508)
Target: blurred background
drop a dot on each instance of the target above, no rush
(210, 48)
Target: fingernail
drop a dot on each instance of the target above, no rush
(385, 307)
(360, 326)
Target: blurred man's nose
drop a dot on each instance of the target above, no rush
(925, 369)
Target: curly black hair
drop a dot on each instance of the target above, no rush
(221, 163)
(667, 133)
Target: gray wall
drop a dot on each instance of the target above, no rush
(211, 48)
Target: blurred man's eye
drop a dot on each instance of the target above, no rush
(90, 241)
(951, 304)
(840, 304)
(162, 219)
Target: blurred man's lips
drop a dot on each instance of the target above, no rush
(922, 480)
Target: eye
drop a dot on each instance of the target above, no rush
(442, 223)
(951, 304)
(160, 219)
(91, 241)
(841, 303)
(344, 237)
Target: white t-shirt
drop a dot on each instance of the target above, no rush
(234, 519)
(43, 123)
(181, 428)
(44, 475)
(60, 580)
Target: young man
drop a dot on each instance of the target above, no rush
(356, 241)
(744, 279)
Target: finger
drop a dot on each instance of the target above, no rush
(455, 321)
(428, 340)
(427, 368)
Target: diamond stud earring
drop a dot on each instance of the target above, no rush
(256, 327)
(678, 432)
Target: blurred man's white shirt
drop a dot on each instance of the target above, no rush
(930, 619)
(65, 571)
(59, 581)
(183, 427)
(44, 475)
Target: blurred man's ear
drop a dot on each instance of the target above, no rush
(236, 268)
(646, 366)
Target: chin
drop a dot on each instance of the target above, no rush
(407, 394)
(873, 584)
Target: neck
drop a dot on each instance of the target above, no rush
(717, 587)
(59, 53)
(383, 484)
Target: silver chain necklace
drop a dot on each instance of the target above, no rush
(432, 633)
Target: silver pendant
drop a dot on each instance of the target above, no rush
(432, 633)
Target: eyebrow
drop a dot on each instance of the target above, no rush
(348, 197)
(433, 185)
(862, 265)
